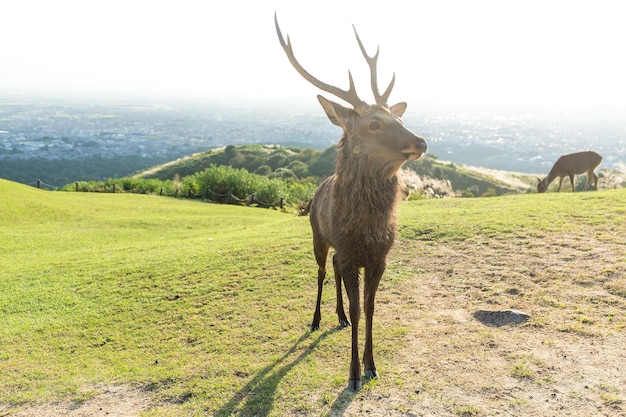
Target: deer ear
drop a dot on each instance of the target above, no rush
(337, 114)
(398, 109)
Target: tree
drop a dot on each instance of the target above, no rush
(264, 170)
(308, 155)
(278, 160)
(299, 168)
(283, 174)
(324, 166)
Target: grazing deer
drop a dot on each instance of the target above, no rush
(570, 165)
(354, 210)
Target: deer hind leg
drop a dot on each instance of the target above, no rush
(560, 183)
(571, 181)
(591, 175)
(321, 253)
(341, 314)
(372, 279)
(588, 181)
(595, 180)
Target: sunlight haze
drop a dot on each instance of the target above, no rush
(533, 52)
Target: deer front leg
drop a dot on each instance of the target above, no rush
(321, 252)
(372, 279)
(571, 180)
(341, 314)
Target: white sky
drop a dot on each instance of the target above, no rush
(444, 51)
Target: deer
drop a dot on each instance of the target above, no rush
(354, 211)
(570, 165)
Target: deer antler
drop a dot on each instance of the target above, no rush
(348, 96)
(372, 62)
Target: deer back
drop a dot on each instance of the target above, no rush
(576, 163)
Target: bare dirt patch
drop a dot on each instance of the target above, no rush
(109, 401)
(567, 359)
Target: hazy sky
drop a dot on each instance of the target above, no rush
(444, 51)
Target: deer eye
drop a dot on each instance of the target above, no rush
(374, 126)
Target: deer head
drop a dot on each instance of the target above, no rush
(374, 130)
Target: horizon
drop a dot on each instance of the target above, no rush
(557, 54)
(532, 137)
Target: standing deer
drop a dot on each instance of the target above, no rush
(354, 210)
(570, 165)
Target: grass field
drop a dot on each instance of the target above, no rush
(188, 308)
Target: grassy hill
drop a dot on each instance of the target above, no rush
(174, 307)
(308, 162)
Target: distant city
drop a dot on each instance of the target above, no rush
(70, 129)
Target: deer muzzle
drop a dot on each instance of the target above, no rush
(415, 149)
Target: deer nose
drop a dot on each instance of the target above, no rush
(421, 144)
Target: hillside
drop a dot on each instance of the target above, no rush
(274, 160)
(126, 304)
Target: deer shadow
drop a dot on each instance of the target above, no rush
(256, 398)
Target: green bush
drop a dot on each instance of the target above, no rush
(219, 179)
(301, 191)
(264, 170)
(223, 179)
(299, 168)
(283, 174)
(271, 191)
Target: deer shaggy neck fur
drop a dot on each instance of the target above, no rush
(361, 215)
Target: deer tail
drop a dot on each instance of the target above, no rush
(306, 209)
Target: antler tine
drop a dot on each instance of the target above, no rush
(348, 96)
(372, 62)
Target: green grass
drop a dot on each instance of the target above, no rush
(144, 289)
(530, 215)
(208, 306)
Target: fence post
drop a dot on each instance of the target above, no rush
(114, 188)
(76, 186)
(251, 199)
(161, 192)
(206, 193)
(282, 203)
(38, 183)
(228, 197)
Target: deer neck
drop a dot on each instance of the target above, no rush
(364, 182)
(552, 176)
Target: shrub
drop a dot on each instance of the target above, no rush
(299, 168)
(264, 170)
(271, 191)
(284, 174)
(301, 191)
(220, 179)
(223, 179)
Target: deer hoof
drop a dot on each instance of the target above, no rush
(344, 323)
(315, 327)
(371, 374)
(354, 385)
